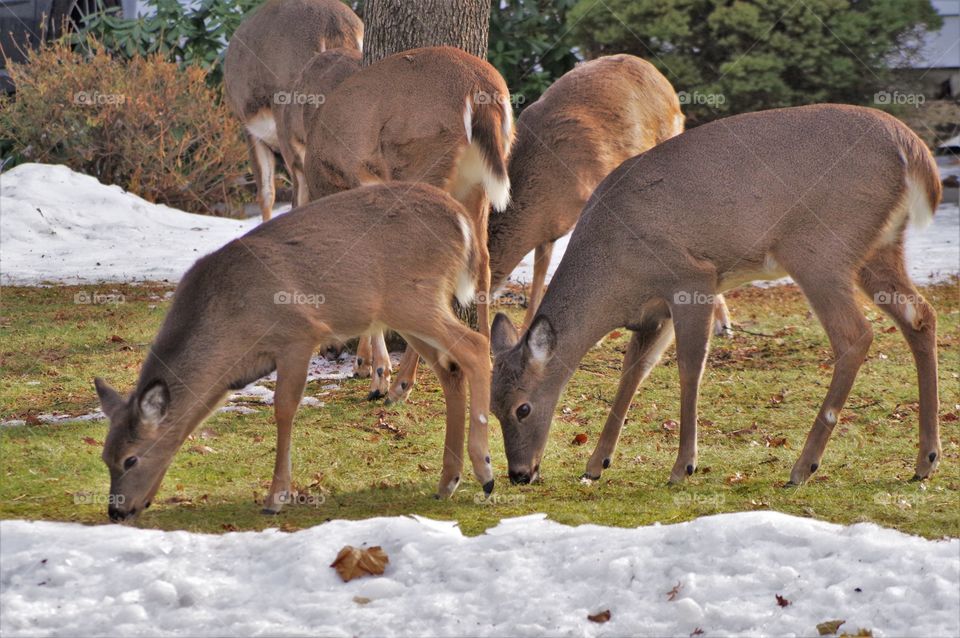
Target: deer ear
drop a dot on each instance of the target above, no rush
(541, 341)
(110, 399)
(503, 335)
(154, 402)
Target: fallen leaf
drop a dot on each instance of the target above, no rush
(673, 593)
(229, 527)
(776, 441)
(783, 602)
(353, 562)
(890, 330)
(579, 439)
(423, 467)
(361, 600)
(735, 478)
(289, 528)
(670, 425)
(117, 339)
(696, 632)
(861, 633)
(616, 334)
(91, 441)
(601, 617)
(950, 416)
(31, 419)
(829, 627)
(202, 449)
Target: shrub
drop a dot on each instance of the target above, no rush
(145, 124)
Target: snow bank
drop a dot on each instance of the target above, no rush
(65, 227)
(59, 226)
(528, 576)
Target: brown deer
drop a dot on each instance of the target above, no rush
(322, 74)
(227, 328)
(263, 62)
(436, 115)
(584, 126)
(821, 193)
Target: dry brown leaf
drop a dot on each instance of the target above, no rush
(950, 416)
(91, 441)
(616, 334)
(117, 339)
(600, 617)
(829, 627)
(354, 562)
(777, 441)
(673, 593)
(861, 633)
(229, 527)
(696, 632)
(783, 602)
(202, 449)
(579, 439)
(361, 600)
(735, 478)
(670, 425)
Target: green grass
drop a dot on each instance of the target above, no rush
(759, 396)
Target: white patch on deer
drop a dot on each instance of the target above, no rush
(360, 42)
(506, 124)
(678, 124)
(913, 206)
(910, 314)
(468, 119)
(264, 127)
(767, 270)
(831, 417)
(323, 45)
(472, 170)
(482, 419)
(467, 279)
(265, 163)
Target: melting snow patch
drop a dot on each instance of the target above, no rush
(527, 576)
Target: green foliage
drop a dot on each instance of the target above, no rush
(528, 45)
(194, 33)
(728, 57)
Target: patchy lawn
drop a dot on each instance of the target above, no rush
(759, 396)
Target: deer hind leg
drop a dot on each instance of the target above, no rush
(541, 261)
(363, 364)
(263, 160)
(406, 376)
(692, 325)
(885, 280)
(721, 318)
(832, 298)
(380, 379)
(291, 378)
(643, 353)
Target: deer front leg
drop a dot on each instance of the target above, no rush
(541, 262)
(363, 364)
(721, 318)
(483, 294)
(380, 379)
(691, 322)
(291, 379)
(406, 376)
(643, 353)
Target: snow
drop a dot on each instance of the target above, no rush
(59, 226)
(527, 576)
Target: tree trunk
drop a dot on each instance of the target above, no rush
(392, 26)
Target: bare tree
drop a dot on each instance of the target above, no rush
(392, 26)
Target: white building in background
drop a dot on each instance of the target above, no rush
(936, 69)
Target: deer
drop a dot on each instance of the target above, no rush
(262, 64)
(821, 193)
(322, 74)
(585, 125)
(226, 329)
(436, 115)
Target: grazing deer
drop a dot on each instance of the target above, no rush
(821, 193)
(227, 329)
(436, 115)
(322, 74)
(263, 62)
(584, 126)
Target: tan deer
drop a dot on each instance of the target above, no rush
(436, 115)
(263, 62)
(322, 74)
(584, 126)
(821, 193)
(227, 328)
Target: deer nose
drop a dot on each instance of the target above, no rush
(519, 478)
(117, 515)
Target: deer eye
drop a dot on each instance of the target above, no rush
(523, 411)
(129, 462)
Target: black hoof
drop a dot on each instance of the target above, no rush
(606, 463)
(789, 484)
(589, 478)
(269, 512)
(689, 470)
(374, 395)
(813, 468)
(916, 478)
(488, 487)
